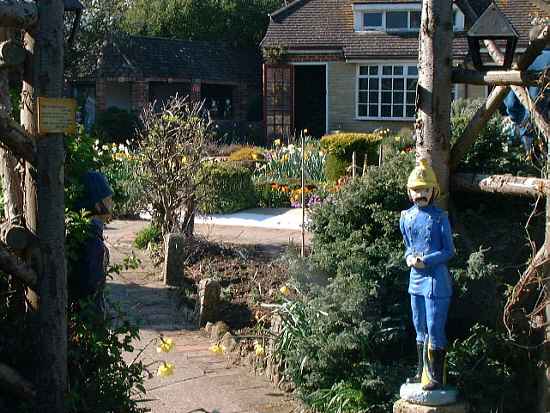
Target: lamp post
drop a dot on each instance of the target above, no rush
(492, 25)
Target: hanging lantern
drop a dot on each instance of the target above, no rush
(492, 25)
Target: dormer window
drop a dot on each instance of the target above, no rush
(395, 17)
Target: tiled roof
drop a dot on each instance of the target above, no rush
(151, 57)
(328, 24)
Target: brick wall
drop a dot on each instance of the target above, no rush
(140, 95)
(101, 101)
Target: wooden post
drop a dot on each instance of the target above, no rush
(303, 250)
(434, 90)
(44, 205)
(353, 165)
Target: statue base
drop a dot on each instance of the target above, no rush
(403, 406)
(413, 393)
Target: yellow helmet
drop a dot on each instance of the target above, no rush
(423, 176)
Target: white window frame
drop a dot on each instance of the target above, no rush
(358, 76)
(361, 9)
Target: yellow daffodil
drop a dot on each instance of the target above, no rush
(184, 159)
(305, 131)
(397, 138)
(277, 142)
(285, 158)
(259, 349)
(284, 290)
(165, 369)
(216, 348)
(166, 345)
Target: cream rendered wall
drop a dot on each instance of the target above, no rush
(342, 83)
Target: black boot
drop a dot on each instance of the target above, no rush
(418, 377)
(436, 367)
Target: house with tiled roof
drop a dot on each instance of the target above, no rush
(351, 65)
(135, 70)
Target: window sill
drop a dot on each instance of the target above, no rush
(363, 118)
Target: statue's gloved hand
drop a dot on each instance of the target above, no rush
(410, 261)
(418, 263)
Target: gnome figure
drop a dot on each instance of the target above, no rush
(429, 246)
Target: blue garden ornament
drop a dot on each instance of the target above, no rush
(96, 188)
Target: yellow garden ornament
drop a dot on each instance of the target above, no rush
(422, 177)
(165, 369)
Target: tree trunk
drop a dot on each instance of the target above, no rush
(9, 166)
(434, 90)
(45, 208)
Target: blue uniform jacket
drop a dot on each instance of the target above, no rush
(427, 234)
(91, 271)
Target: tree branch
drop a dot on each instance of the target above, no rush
(476, 124)
(495, 77)
(13, 383)
(18, 13)
(11, 265)
(498, 95)
(501, 184)
(16, 139)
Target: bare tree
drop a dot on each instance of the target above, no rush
(172, 144)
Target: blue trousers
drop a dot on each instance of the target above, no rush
(429, 318)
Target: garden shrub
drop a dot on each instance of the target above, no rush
(348, 335)
(148, 235)
(272, 195)
(491, 151)
(247, 153)
(340, 147)
(225, 187)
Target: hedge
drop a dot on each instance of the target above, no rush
(225, 187)
(340, 147)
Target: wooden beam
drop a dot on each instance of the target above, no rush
(495, 77)
(12, 265)
(16, 139)
(476, 124)
(19, 14)
(14, 384)
(501, 184)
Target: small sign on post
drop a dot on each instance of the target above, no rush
(56, 115)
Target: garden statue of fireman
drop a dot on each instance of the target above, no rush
(429, 246)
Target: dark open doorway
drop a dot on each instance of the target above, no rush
(310, 99)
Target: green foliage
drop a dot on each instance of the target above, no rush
(247, 153)
(100, 380)
(491, 152)
(270, 197)
(488, 368)
(340, 148)
(239, 22)
(148, 235)
(225, 187)
(116, 125)
(284, 163)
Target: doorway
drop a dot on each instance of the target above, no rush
(310, 96)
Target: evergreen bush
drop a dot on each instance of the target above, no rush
(148, 235)
(225, 187)
(340, 147)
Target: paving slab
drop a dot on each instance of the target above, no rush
(202, 381)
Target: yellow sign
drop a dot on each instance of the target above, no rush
(56, 115)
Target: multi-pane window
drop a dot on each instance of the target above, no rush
(398, 20)
(387, 91)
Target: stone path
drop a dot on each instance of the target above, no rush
(203, 381)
